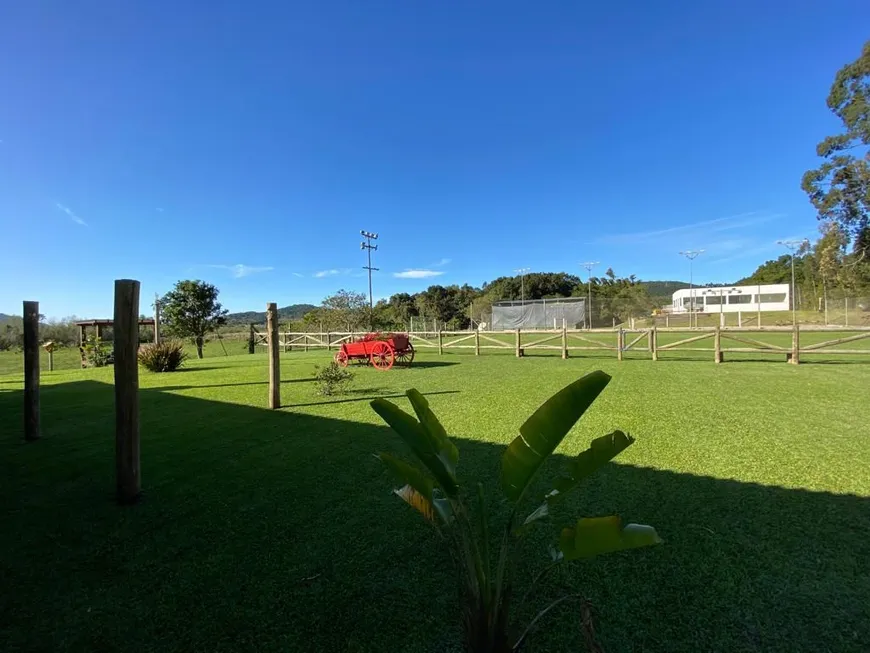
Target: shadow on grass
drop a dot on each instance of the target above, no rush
(276, 531)
(371, 393)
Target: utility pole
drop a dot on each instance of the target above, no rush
(367, 245)
(692, 254)
(522, 272)
(589, 265)
(792, 246)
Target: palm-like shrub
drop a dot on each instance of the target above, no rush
(437, 493)
(166, 356)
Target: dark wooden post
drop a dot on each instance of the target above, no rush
(328, 341)
(440, 342)
(126, 343)
(717, 344)
(654, 343)
(477, 342)
(518, 346)
(795, 345)
(274, 357)
(564, 340)
(251, 340)
(31, 371)
(620, 343)
(51, 360)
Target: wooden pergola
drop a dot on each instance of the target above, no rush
(99, 325)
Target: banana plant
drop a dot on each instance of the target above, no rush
(486, 571)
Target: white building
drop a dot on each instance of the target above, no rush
(733, 299)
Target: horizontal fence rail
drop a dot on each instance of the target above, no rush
(654, 342)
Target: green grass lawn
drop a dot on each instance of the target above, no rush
(276, 530)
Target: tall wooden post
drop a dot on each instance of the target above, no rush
(328, 341)
(740, 319)
(440, 342)
(564, 340)
(31, 371)
(620, 343)
(251, 340)
(51, 360)
(156, 319)
(519, 350)
(796, 345)
(477, 342)
(126, 343)
(717, 345)
(654, 343)
(274, 357)
(284, 343)
(667, 320)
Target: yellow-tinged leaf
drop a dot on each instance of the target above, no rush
(417, 501)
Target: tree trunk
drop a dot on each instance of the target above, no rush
(199, 346)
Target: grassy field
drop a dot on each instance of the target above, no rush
(276, 530)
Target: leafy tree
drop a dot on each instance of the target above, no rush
(191, 310)
(349, 308)
(828, 253)
(840, 187)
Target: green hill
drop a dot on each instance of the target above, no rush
(292, 312)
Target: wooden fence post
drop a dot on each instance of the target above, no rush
(519, 351)
(328, 341)
(251, 340)
(620, 343)
(126, 341)
(796, 345)
(667, 320)
(274, 356)
(156, 319)
(31, 371)
(740, 319)
(717, 345)
(440, 342)
(654, 343)
(477, 342)
(564, 340)
(51, 360)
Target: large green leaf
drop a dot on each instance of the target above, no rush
(422, 485)
(593, 536)
(601, 451)
(447, 451)
(544, 430)
(424, 446)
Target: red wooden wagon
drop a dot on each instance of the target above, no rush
(379, 350)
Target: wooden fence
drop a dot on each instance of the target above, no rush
(716, 341)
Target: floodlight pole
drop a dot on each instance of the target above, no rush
(589, 265)
(522, 272)
(792, 246)
(367, 245)
(692, 254)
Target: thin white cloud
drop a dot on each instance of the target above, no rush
(418, 274)
(71, 214)
(238, 270)
(442, 263)
(696, 229)
(297, 274)
(326, 273)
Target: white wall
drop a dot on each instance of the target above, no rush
(773, 297)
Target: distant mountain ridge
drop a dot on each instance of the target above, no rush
(292, 312)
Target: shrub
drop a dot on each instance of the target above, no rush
(332, 379)
(165, 356)
(96, 353)
(461, 515)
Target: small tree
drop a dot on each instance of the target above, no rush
(349, 308)
(191, 310)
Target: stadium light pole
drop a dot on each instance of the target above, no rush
(522, 272)
(793, 246)
(367, 245)
(589, 265)
(692, 254)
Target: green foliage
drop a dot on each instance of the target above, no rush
(840, 188)
(166, 356)
(332, 379)
(191, 310)
(97, 353)
(286, 314)
(486, 577)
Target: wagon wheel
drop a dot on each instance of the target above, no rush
(341, 358)
(406, 356)
(382, 356)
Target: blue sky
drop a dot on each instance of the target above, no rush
(248, 143)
